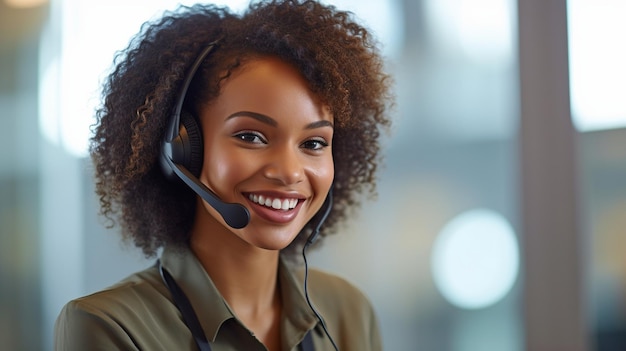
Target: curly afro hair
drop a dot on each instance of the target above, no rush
(338, 58)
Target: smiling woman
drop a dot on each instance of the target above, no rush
(267, 123)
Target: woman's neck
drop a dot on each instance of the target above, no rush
(247, 278)
(245, 275)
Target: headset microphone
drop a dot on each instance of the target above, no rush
(235, 215)
(182, 153)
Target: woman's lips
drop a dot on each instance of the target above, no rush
(278, 209)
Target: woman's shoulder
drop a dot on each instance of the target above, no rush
(119, 316)
(141, 286)
(346, 309)
(337, 293)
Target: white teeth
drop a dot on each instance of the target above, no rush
(277, 204)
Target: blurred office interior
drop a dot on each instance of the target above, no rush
(500, 220)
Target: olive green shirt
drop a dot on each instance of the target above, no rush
(138, 313)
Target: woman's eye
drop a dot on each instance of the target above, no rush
(314, 144)
(250, 137)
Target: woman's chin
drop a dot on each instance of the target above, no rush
(272, 245)
(274, 241)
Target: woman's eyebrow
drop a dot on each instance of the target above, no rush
(320, 124)
(270, 121)
(259, 117)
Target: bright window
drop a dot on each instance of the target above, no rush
(597, 54)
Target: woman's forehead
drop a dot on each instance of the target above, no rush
(271, 86)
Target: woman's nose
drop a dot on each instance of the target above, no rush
(285, 166)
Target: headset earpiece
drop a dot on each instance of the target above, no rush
(191, 136)
(186, 149)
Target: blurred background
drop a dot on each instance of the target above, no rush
(500, 219)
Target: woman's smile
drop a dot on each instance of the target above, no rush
(276, 203)
(277, 209)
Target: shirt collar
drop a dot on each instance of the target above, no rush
(208, 304)
(298, 318)
(211, 308)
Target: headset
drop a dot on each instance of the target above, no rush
(182, 158)
(182, 152)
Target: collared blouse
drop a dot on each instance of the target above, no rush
(138, 313)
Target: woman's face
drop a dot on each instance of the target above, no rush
(267, 145)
